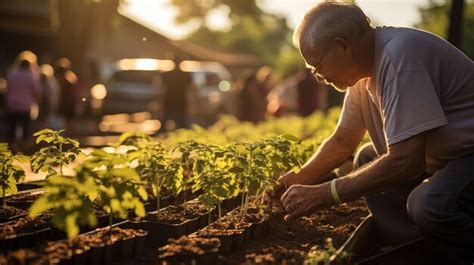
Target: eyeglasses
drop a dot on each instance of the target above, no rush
(315, 70)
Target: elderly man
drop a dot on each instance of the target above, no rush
(414, 94)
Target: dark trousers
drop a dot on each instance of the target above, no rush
(439, 208)
(18, 119)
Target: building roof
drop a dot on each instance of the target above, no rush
(201, 53)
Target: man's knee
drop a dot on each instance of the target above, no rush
(428, 210)
(365, 154)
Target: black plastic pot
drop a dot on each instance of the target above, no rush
(257, 230)
(235, 240)
(159, 233)
(25, 240)
(119, 251)
(22, 204)
(364, 248)
(8, 243)
(100, 255)
(30, 185)
(239, 239)
(230, 204)
(80, 258)
(124, 249)
(139, 245)
(4, 219)
(205, 259)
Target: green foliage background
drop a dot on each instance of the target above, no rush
(268, 36)
(435, 18)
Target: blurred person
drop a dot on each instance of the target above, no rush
(23, 90)
(49, 97)
(265, 83)
(265, 79)
(413, 92)
(176, 106)
(69, 94)
(251, 104)
(311, 93)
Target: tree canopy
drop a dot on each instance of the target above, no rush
(435, 18)
(251, 30)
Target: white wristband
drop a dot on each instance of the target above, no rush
(334, 193)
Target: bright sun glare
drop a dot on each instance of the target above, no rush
(159, 14)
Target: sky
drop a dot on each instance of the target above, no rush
(159, 14)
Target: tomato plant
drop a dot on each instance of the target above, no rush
(212, 176)
(70, 200)
(10, 174)
(60, 151)
(119, 187)
(256, 164)
(154, 164)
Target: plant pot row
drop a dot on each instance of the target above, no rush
(23, 200)
(163, 224)
(235, 239)
(30, 185)
(13, 235)
(101, 246)
(26, 232)
(190, 250)
(10, 213)
(231, 238)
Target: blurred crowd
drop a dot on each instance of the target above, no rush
(261, 95)
(38, 96)
(52, 96)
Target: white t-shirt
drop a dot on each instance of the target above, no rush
(420, 83)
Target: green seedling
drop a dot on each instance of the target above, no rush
(10, 174)
(60, 151)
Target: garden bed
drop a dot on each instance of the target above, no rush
(289, 242)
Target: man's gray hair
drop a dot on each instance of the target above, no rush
(326, 21)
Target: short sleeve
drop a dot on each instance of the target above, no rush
(410, 106)
(351, 115)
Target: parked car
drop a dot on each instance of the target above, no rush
(135, 85)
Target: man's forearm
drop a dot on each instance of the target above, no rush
(380, 175)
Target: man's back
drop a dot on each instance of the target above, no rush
(420, 83)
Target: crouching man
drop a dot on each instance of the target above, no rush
(414, 94)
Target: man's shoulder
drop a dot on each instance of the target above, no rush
(394, 42)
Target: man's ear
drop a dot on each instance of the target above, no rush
(344, 44)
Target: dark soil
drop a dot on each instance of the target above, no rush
(23, 256)
(9, 212)
(26, 225)
(256, 215)
(177, 214)
(105, 236)
(189, 245)
(227, 225)
(234, 222)
(289, 242)
(23, 198)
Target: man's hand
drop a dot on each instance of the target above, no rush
(300, 200)
(273, 195)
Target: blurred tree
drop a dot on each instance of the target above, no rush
(77, 21)
(289, 61)
(250, 30)
(435, 17)
(455, 30)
